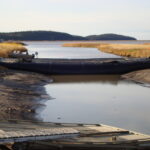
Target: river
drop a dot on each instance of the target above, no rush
(55, 50)
(105, 99)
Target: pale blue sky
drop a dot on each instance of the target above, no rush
(79, 17)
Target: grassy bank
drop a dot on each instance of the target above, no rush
(129, 50)
(7, 48)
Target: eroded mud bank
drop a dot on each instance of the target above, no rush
(21, 93)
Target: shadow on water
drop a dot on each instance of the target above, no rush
(111, 79)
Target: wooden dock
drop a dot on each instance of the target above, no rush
(63, 135)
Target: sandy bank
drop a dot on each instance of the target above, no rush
(20, 93)
(141, 76)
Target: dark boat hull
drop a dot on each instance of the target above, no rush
(97, 66)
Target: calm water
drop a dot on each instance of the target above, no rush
(50, 49)
(98, 99)
(93, 98)
(55, 50)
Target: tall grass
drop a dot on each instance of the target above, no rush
(8, 48)
(92, 45)
(128, 50)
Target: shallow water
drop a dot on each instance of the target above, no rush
(93, 98)
(98, 99)
(55, 50)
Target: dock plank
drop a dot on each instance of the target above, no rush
(59, 133)
(40, 133)
(107, 129)
(133, 137)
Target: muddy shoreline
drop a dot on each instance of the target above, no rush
(140, 76)
(21, 93)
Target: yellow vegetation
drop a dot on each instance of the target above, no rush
(128, 50)
(92, 45)
(8, 48)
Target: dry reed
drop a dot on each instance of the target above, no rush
(128, 50)
(8, 48)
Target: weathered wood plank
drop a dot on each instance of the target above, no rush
(39, 134)
(133, 137)
(81, 134)
(107, 129)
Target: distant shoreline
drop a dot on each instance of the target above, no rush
(56, 36)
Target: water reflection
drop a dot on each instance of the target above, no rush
(111, 79)
(98, 99)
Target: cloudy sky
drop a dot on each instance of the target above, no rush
(79, 17)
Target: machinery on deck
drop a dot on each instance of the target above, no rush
(22, 56)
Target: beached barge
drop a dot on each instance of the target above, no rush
(79, 66)
(38, 135)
